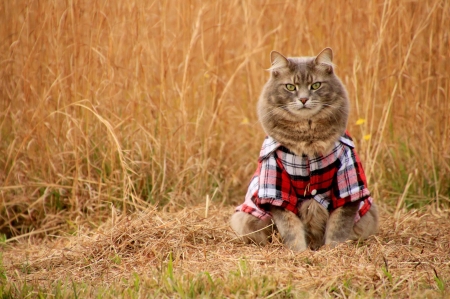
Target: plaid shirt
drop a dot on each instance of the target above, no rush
(285, 180)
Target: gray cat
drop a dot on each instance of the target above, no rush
(309, 181)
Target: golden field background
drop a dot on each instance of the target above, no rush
(130, 103)
(128, 133)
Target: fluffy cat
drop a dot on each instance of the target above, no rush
(309, 183)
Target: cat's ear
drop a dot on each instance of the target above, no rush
(325, 57)
(278, 60)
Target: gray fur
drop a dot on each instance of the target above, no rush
(309, 122)
(291, 229)
(251, 229)
(313, 127)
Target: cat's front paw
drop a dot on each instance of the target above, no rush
(251, 229)
(332, 244)
(291, 229)
(295, 245)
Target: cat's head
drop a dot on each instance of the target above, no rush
(303, 90)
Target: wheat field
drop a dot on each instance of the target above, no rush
(109, 109)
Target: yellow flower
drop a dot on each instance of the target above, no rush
(244, 121)
(360, 121)
(367, 137)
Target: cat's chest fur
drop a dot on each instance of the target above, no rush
(307, 137)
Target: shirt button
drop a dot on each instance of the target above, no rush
(313, 192)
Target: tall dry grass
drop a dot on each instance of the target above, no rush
(130, 103)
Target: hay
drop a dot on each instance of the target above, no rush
(407, 254)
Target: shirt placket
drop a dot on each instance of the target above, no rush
(313, 180)
(314, 183)
(308, 190)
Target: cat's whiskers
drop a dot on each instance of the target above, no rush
(276, 111)
(332, 113)
(279, 110)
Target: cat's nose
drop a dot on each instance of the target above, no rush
(303, 100)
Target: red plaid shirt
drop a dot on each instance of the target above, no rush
(285, 180)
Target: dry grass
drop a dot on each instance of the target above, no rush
(136, 104)
(164, 254)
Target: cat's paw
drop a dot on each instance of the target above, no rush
(332, 244)
(295, 245)
(251, 229)
(291, 229)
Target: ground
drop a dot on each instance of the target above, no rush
(184, 254)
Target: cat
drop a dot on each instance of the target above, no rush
(309, 184)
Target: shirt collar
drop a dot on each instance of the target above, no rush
(270, 145)
(347, 140)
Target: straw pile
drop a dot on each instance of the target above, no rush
(410, 253)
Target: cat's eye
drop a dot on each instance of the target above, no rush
(315, 86)
(290, 87)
